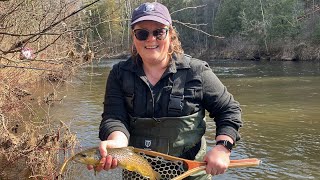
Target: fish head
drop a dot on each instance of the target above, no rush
(88, 157)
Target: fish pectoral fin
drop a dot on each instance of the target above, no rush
(95, 170)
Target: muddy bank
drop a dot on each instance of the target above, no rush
(31, 146)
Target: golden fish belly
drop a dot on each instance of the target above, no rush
(131, 161)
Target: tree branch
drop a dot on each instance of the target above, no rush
(23, 67)
(195, 7)
(48, 44)
(22, 42)
(187, 25)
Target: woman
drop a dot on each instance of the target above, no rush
(157, 98)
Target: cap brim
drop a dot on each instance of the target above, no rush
(151, 18)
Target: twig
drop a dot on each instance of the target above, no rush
(49, 61)
(194, 24)
(22, 42)
(22, 67)
(44, 33)
(195, 7)
(3, 123)
(315, 9)
(10, 12)
(186, 24)
(48, 45)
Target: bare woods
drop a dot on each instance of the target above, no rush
(266, 29)
(42, 44)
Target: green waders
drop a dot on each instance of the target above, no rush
(176, 136)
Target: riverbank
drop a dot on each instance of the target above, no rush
(277, 51)
(30, 143)
(287, 52)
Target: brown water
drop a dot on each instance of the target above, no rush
(281, 113)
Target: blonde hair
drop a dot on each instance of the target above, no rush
(174, 48)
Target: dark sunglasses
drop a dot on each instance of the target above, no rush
(143, 34)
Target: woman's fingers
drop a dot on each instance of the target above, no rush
(218, 160)
(108, 163)
(216, 169)
(114, 163)
(101, 164)
(89, 167)
(103, 148)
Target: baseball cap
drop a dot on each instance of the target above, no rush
(151, 11)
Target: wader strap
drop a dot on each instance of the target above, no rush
(175, 105)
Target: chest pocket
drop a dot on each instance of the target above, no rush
(189, 93)
(194, 88)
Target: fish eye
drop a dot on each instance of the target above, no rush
(83, 155)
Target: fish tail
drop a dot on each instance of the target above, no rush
(64, 166)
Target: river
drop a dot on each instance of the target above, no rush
(281, 113)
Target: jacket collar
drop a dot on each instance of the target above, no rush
(177, 63)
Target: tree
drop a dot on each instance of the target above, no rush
(283, 16)
(227, 22)
(39, 40)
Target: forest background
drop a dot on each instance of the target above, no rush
(43, 44)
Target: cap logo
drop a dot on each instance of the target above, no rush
(153, 12)
(149, 7)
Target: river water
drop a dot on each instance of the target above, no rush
(281, 114)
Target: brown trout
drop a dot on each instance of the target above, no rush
(127, 159)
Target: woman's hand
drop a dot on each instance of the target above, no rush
(218, 160)
(116, 139)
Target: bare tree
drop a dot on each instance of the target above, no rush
(38, 39)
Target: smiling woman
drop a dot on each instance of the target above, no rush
(154, 49)
(156, 100)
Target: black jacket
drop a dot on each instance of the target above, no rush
(202, 89)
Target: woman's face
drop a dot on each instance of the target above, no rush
(153, 50)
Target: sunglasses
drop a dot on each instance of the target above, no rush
(143, 34)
